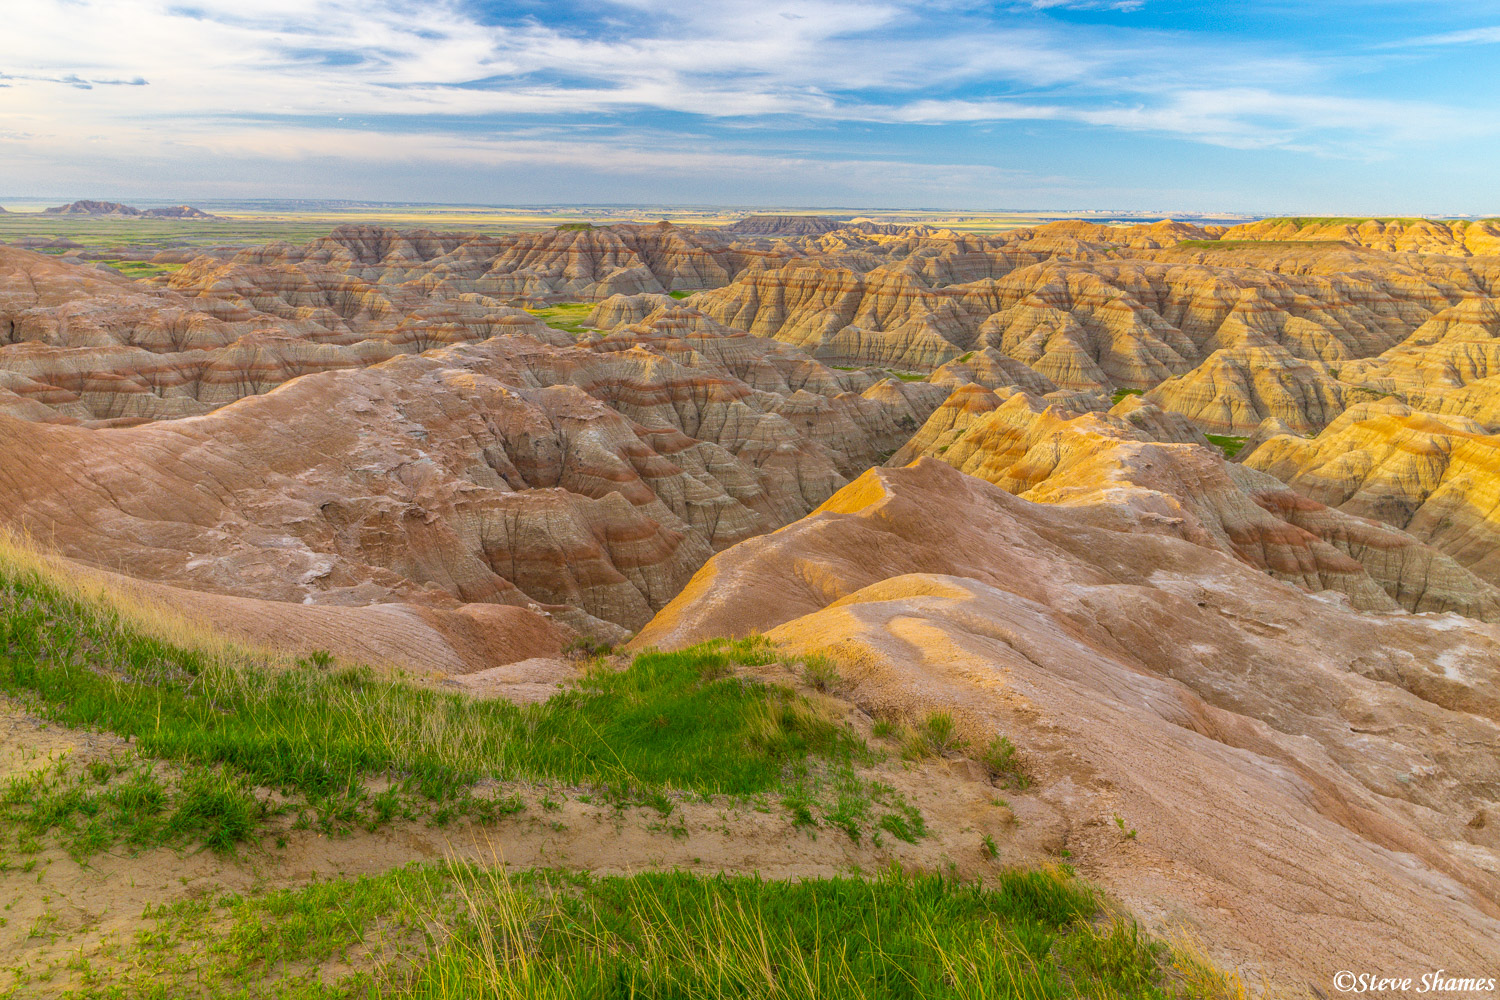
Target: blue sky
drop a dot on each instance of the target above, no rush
(1339, 106)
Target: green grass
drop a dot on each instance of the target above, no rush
(679, 295)
(1226, 443)
(138, 268)
(443, 932)
(574, 227)
(569, 317)
(320, 735)
(1122, 393)
(1004, 761)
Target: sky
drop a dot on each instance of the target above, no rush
(1384, 107)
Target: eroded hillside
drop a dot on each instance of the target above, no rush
(1204, 519)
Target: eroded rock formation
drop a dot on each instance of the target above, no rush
(1293, 772)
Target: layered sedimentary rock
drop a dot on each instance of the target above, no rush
(1449, 364)
(785, 225)
(991, 369)
(92, 346)
(590, 480)
(1435, 477)
(362, 444)
(115, 209)
(887, 316)
(1152, 461)
(1292, 772)
(1058, 316)
(417, 639)
(1087, 307)
(1235, 389)
(1480, 238)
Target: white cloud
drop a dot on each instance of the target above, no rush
(1471, 36)
(220, 70)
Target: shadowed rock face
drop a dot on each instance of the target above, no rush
(114, 208)
(93, 208)
(784, 225)
(1298, 772)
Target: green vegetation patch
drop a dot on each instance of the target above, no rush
(451, 931)
(138, 268)
(574, 227)
(1122, 393)
(1228, 444)
(569, 317)
(320, 737)
(679, 295)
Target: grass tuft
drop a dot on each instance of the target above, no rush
(1004, 762)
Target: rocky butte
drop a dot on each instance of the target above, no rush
(116, 209)
(1204, 521)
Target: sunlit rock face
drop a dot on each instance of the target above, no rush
(1435, 477)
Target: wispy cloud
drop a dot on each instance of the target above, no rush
(1470, 36)
(1123, 5)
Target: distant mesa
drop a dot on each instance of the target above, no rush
(93, 208)
(786, 225)
(177, 212)
(114, 208)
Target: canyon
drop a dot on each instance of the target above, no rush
(1205, 518)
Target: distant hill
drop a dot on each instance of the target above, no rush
(786, 225)
(114, 208)
(93, 208)
(178, 212)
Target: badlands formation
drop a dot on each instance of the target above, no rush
(1207, 520)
